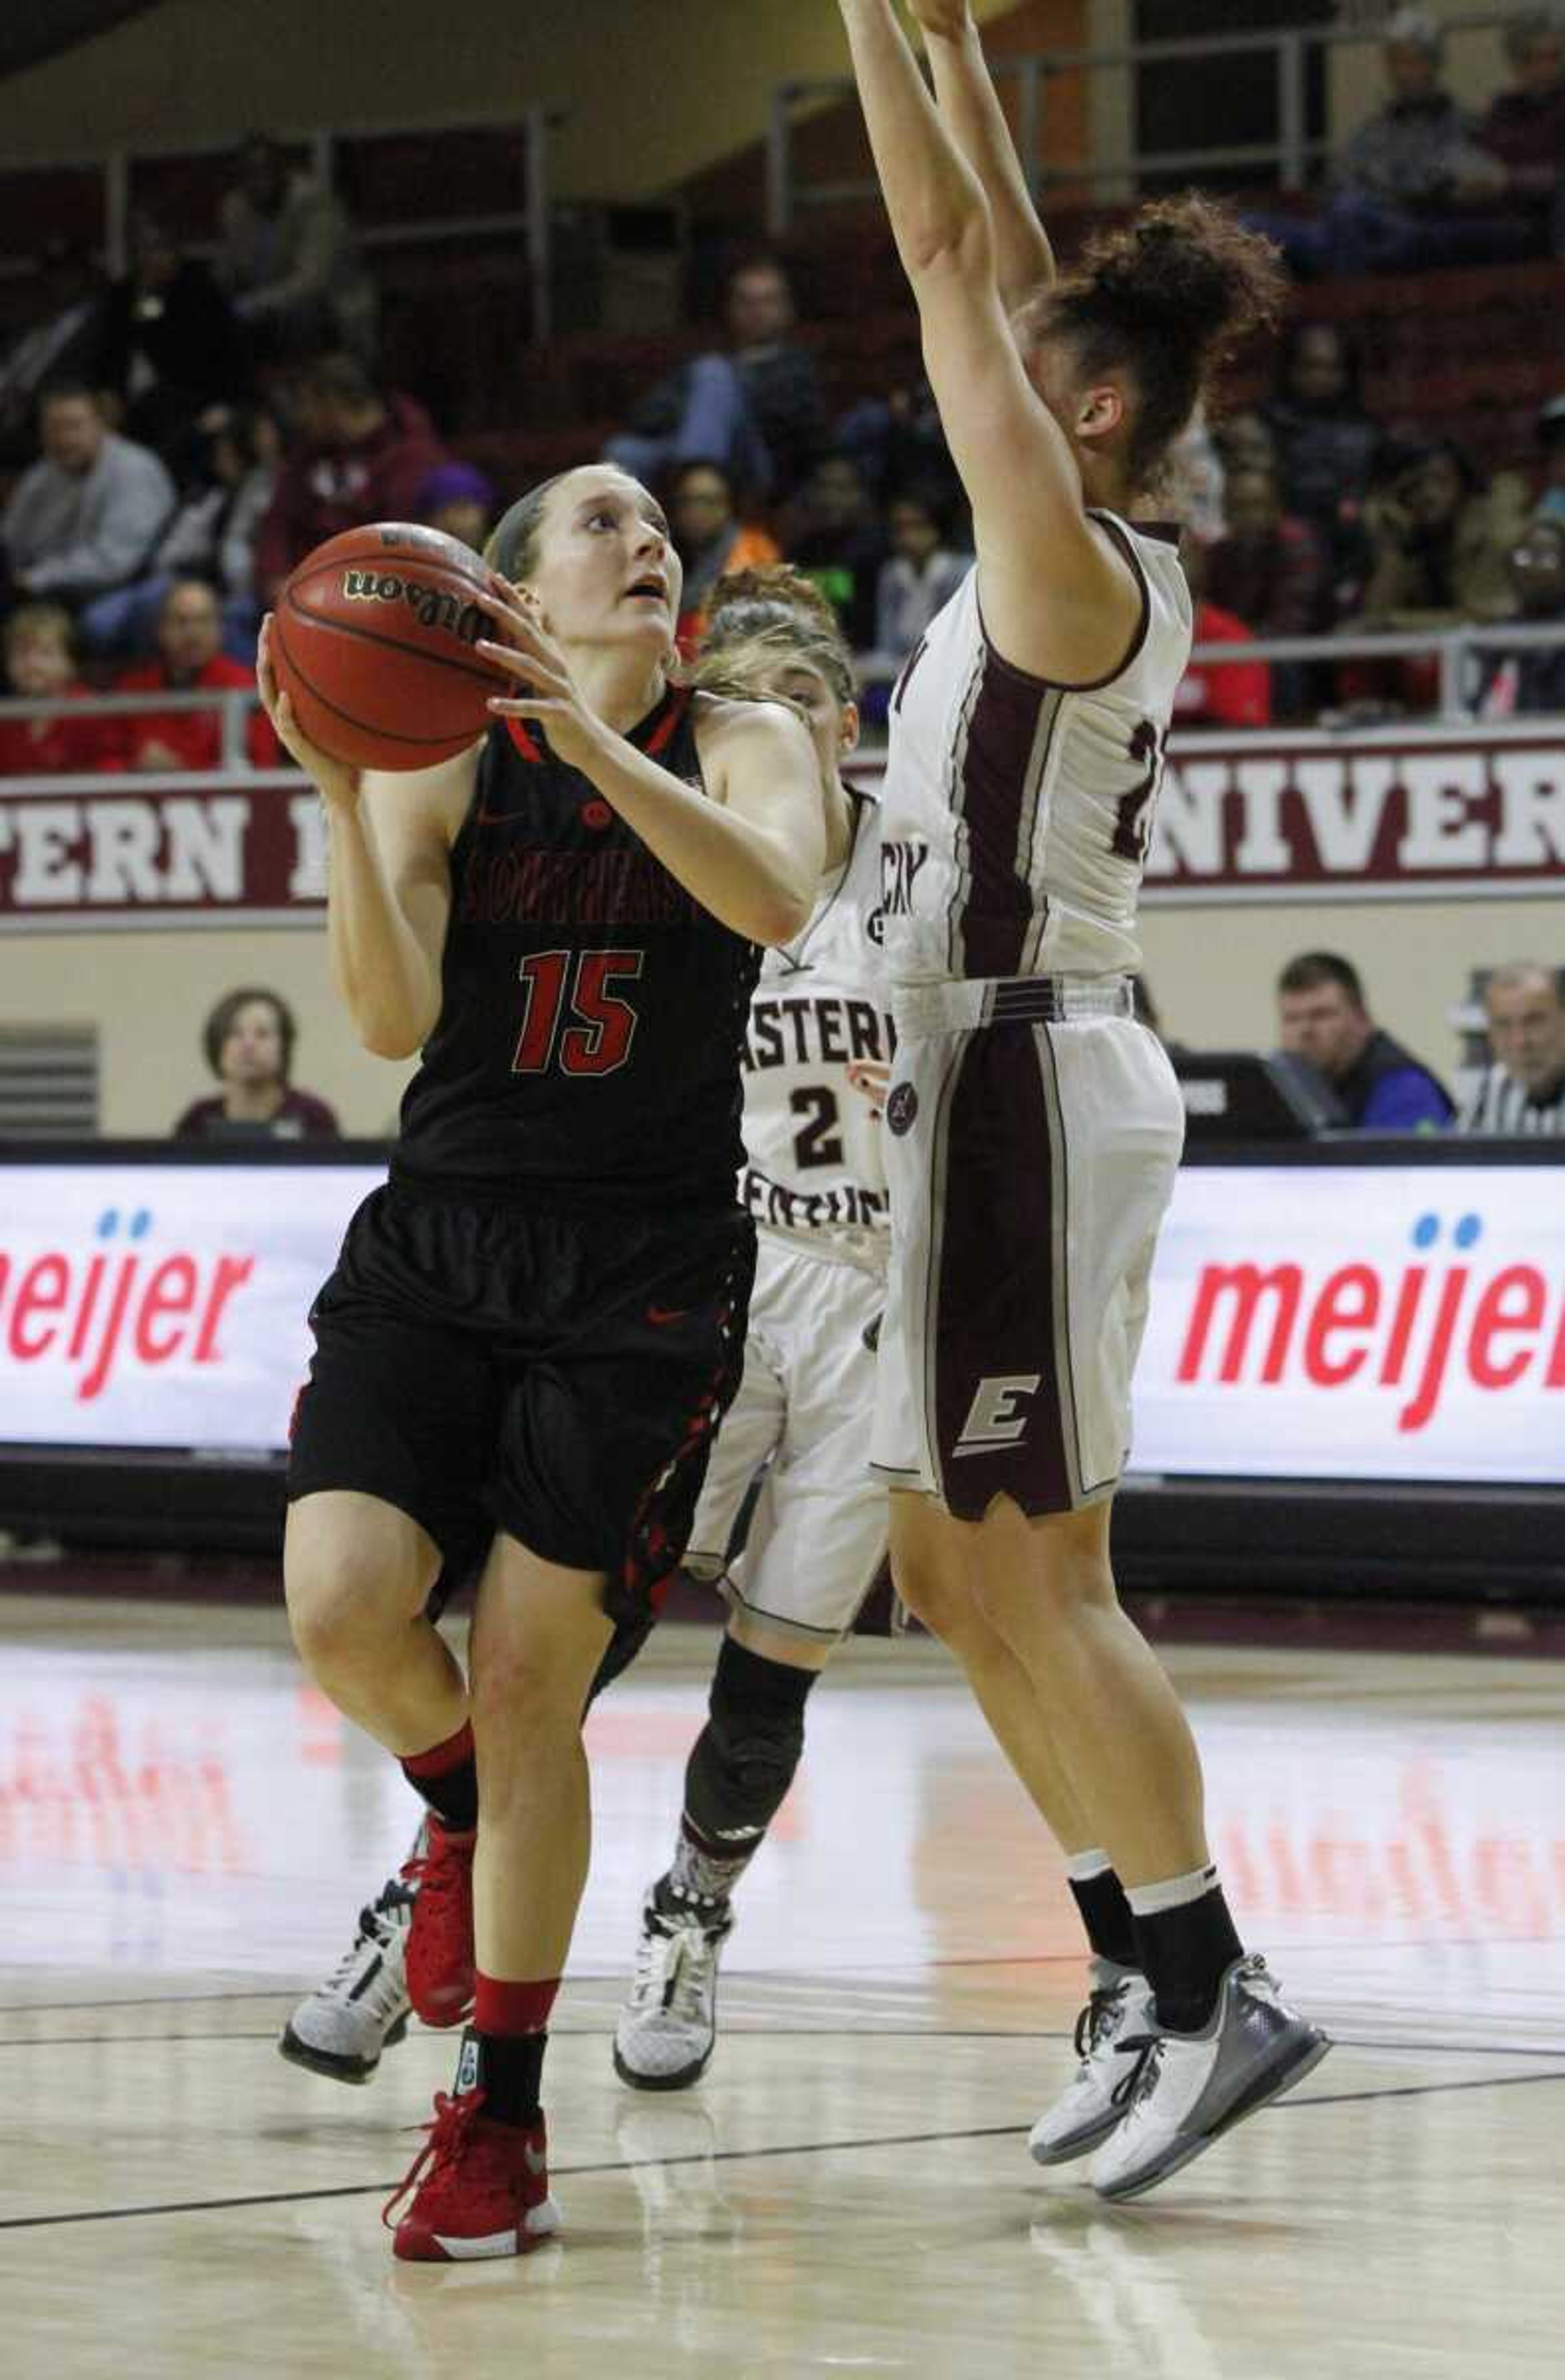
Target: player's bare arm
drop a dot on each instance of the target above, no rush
(1020, 476)
(389, 878)
(967, 100)
(750, 845)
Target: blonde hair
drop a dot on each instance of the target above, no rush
(35, 620)
(761, 619)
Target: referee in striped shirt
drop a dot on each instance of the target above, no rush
(1523, 1090)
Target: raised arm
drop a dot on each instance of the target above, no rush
(388, 879)
(1015, 462)
(968, 102)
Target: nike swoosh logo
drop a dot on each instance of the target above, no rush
(537, 2163)
(659, 1315)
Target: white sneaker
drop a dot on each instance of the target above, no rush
(667, 2028)
(1185, 2090)
(362, 2007)
(1086, 2111)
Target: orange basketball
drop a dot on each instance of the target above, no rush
(374, 642)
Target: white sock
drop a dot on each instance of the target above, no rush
(1082, 1866)
(1174, 1892)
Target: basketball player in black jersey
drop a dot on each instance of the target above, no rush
(534, 1327)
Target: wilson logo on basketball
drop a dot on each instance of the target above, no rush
(432, 607)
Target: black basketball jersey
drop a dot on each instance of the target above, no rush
(592, 1012)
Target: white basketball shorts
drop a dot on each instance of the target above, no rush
(817, 1536)
(1030, 1165)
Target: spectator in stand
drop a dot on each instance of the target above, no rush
(831, 532)
(1269, 572)
(1200, 479)
(898, 442)
(248, 1041)
(755, 411)
(66, 343)
(1551, 441)
(288, 258)
(85, 517)
(191, 661)
(1324, 1022)
(1525, 128)
(230, 475)
(1522, 1090)
(363, 456)
(1531, 682)
(458, 500)
(1412, 187)
(1442, 540)
(1325, 444)
(41, 667)
(921, 574)
(171, 345)
(712, 543)
(1218, 694)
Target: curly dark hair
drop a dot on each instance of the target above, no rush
(1165, 299)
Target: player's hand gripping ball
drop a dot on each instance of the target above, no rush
(375, 641)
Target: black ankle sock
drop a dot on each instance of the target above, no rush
(453, 1797)
(1185, 1952)
(507, 2068)
(1106, 1914)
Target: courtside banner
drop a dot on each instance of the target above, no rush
(1361, 1322)
(1355, 1322)
(163, 1305)
(1402, 814)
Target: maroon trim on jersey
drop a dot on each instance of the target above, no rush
(525, 743)
(1106, 522)
(995, 908)
(993, 1318)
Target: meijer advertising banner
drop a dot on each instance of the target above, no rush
(1355, 1322)
(1358, 1322)
(163, 1305)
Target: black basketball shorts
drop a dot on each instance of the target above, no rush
(557, 1377)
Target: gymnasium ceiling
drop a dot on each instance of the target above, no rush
(42, 28)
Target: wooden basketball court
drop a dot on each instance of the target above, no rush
(186, 1833)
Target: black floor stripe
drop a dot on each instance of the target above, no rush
(721, 2156)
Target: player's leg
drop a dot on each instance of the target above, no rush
(816, 1543)
(935, 1580)
(391, 1440)
(539, 1634)
(1223, 2043)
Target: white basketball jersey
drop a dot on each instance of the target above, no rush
(1015, 815)
(818, 1014)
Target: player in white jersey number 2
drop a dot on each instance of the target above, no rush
(1032, 1127)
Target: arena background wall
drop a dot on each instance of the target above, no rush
(198, 72)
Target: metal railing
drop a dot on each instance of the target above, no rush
(235, 703)
(530, 222)
(1459, 651)
(1285, 160)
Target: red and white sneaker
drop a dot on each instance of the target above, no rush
(441, 1960)
(479, 2188)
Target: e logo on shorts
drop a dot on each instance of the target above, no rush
(900, 1108)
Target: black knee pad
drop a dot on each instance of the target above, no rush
(745, 1758)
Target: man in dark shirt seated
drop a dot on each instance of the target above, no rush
(248, 1041)
(1322, 1019)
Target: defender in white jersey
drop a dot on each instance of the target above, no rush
(1032, 1127)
